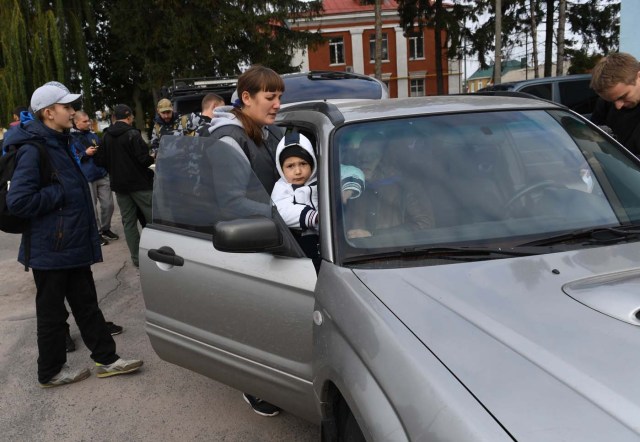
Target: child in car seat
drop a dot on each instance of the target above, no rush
(295, 194)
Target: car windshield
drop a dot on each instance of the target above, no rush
(493, 180)
(330, 85)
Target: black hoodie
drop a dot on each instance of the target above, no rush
(126, 157)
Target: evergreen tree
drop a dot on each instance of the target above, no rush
(142, 45)
(446, 22)
(42, 41)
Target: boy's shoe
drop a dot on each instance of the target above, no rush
(113, 328)
(120, 366)
(261, 407)
(69, 344)
(109, 235)
(66, 376)
(103, 241)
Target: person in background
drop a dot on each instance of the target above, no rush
(386, 203)
(615, 80)
(166, 122)
(196, 121)
(62, 242)
(15, 122)
(16, 115)
(84, 146)
(126, 157)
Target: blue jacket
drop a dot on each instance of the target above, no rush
(63, 225)
(80, 140)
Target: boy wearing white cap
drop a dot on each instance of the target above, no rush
(62, 241)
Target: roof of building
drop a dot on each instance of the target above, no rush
(508, 65)
(347, 6)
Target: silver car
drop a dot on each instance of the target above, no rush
(484, 286)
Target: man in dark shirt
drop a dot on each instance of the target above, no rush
(126, 157)
(615, 80)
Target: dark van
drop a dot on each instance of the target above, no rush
(572, 91)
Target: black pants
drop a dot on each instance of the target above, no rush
(77, 286)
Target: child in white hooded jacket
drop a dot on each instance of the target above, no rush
(295, 194)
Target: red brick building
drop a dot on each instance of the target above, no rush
(408, 65)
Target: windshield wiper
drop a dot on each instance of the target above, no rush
(450, 253)
(600, 235)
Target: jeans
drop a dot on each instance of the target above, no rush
(129, 204)
(101, 194)
(78, 287)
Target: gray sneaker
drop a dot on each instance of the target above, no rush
(120, 366)
(67, 376)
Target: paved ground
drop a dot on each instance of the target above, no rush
(161, 403)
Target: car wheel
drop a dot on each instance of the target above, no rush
(349, 430)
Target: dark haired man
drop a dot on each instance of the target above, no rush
(615, 80)
(126, 157)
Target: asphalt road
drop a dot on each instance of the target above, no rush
(162, 402)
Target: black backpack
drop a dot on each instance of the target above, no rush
(10, 223)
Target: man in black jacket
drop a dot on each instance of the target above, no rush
(126, 157)
(616, 79)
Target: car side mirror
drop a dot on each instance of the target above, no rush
(247, 235)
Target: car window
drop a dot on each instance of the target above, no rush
(326, 86)
(578, 96)
(539, 90)
(479, 178)
(201, 181)
(185, 194)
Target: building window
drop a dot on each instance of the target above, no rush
(416, 47)
(417, 88)
(372, 47)
(336, 50)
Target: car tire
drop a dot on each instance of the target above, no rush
(349, 430)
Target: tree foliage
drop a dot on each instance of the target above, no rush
(40, 41)
(142, 45)
(125, 50)
(445, 20)
(594, 25)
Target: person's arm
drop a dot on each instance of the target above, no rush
(26, 197)
(140, 149)
(351, 181)
(155, 138)
(294, 206)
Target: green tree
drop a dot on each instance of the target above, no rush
(446, 22)
(42, 41)
(142, 45)
(593, 25)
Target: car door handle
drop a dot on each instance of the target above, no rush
(166, 255)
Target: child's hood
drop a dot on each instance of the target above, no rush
(297, 139)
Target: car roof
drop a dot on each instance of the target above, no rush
(186, 93)
(361, 110)
(509, 85)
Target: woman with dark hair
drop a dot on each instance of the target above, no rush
(246, 126)
(245, 150)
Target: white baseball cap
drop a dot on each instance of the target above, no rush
(51, 93)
